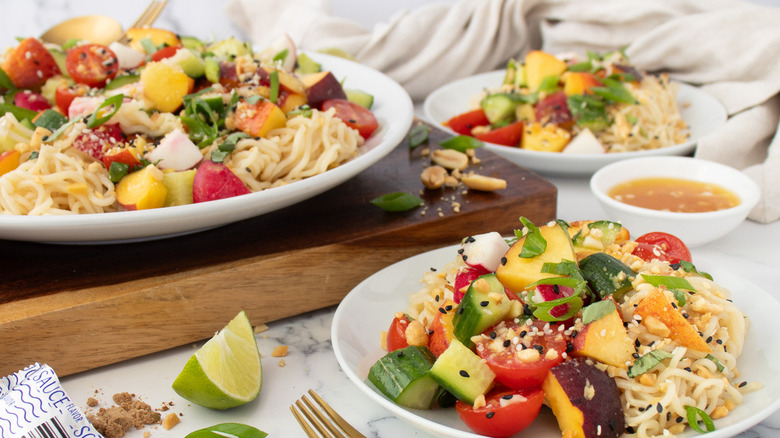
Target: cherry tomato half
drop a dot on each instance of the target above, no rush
(508, 135)
(64, 95)
(661, 246)
(506, 412)
(98, 139)
(464, 123)
(396, 334)
(354, 115)
(165, 52)
(92, 64)
(523, 368)
(29, 64)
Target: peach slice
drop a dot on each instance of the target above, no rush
(141, 190)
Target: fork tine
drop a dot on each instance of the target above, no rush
(306, 428)
(316, 419)
(324, 421)
(141, 19)
(351, 431)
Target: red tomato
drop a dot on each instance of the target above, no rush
(508, 135)
(125, 156)
(464, 123)
(165, 52)
(64, 95)
(396, 335)
(354, 115)
(98, 140)
(92, 64)
(512, 368)
(29, 64)
(661, 246)
(554, 109)
(31, 100)
(506, 412)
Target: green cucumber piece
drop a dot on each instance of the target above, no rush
(606, 275)
(360, 97)
(479, 308)
(609, 232)
(192, 43)
(122, 80)
(306, 65)
(461, 372)
(499, 107)
(211, 69)
(59, 58)
(403, 377)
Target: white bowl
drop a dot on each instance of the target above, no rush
(695, 229)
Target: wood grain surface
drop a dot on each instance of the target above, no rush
(80, 307)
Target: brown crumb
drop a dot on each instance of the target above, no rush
(129, 412)
(279, 351)
(147, 434)
(92, 402)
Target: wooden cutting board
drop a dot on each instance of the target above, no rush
(81, 307)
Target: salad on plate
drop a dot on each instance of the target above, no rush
(616, 336)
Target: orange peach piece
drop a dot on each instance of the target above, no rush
(165, 86)
(579, 83)
(547, 138)
(606, 341)
(655, 305)
(141, 190)
(158, 37)
(441, 330)
(9, 161)
(539, 65)
(259, 119)
(321, 87)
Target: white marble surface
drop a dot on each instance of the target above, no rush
(751, 251)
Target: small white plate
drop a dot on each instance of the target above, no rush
(368, 310)
(702, 112)
(392, 107)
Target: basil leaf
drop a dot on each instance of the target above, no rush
(234, 430)
(33, 155)
(70, 43)
(549, 84)
(717, 363)
(274, 86)
(581, 66)
(95, 121)
(117, 171)
(588, 111)
(647, 362)
(398, 201)
(60, 130)
(543, 309)
(614, 91)
(235, 137)
(691, 269)
(254, 99)
(418, 135)
(5, 81)
(668, 282)
(534, 243)
(565, 267)
(680, 297)
(148, 46)
(281, 56)
(18, 112)
(693, 413)
(461, 143)
(597, 310)
(578, 285)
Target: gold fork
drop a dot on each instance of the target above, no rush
(305, 408)
(147, 18)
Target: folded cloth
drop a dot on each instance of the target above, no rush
(727, 47)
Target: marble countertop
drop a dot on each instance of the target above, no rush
(310, 362)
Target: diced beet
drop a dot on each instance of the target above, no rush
(216, 181)
(553, 109)
(31, 100)
(463, 279)
(553, 292)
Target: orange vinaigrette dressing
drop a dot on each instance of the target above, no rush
(674, 194)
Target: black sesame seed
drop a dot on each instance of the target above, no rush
(539, 348)
(630, 429)
(503, 261)
(523, 333)
(668, 416)
(637, 343)
(507, 396)
(448, 307)
(437, 298)
(556, 289)
(659, 408)
(464, 373)
(470, 239)
(507, 343)
(569, 347)
(442, 310)
(636, 355)
(433, 269)
(574, 334)
(675, 266)
(742, 385)
(460, 251)
(484, 303)
(641, 409)
(709, 339)
(527, 310)
(465, 257)
(493, 335)
(678, 420)
(719, 341)
(612, 425)
(489, 415)
(459, 311)
(400, 354)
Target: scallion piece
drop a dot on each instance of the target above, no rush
(274, 86)
(148, 46)
(543, 309)
(691, 269)
(717, 363)
(418, 135)
(597, 310)
(534, 243)
(693, 413)
(281, 56)
(461, 143)
(115, 101)
(647, 362)
(18, 112)
(398, 201)
(668, 281)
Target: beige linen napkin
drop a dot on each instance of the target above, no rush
(730, 48)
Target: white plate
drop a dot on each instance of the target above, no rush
(702, 112)
(392, 107)
(368, 310)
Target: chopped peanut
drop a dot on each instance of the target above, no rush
(416, 334)
(719, 412)
(279, 351)
(170, 420)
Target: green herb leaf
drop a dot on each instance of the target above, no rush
(543, 309)
(418, 135)
(229, 430)
(461, 143)
(54, 135)
(534, 243)
(680, 297)
(581, 66)
(274, 86)
(18, 112)
(549, 84)
(281, 56)
(50, 119)
(33, 155)
(148, 45)
(566, 267)
(398, 201)
(647, 362)
(693, 413)
(668, 281)
(632, 119)
(117, 171)
(597, 310)
(614, 91)
(95, 121)
(254, 99)
(122, 80)
(5, 81)
(691, 269)
(717, 363)
(70, 43)
(303, 111)
(588, 111)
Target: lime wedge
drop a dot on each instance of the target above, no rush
(226, 371)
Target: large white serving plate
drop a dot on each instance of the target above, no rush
(392, 107)
(368, 310)
(702, 112)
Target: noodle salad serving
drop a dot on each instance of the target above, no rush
(603, 104)
(166, 120)
(615, 336)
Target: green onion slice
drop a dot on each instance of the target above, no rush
(461, 143)
(717, 363)
(534, 243)
(647, 362)
(543, 309)
(691, 269)
(281, 56)
(274, 86)
(668, 281)
(418, 135)
(398, 201)
(115, 101)
(693, 413)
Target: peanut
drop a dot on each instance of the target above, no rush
(450, 159)
(483, 183)
(433, 177)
